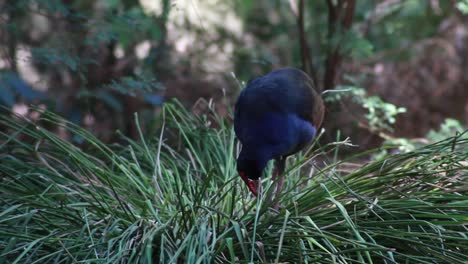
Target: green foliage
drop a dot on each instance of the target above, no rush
(462, 5)
(72, 45)
(176, 197)
(404, 22)
(449, 128)
(355, 46)
(380, 115)
(129, 86)
(59, 58)
(377, 28)
(133, 25)
(80, 46)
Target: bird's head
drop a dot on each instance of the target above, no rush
(250, 170)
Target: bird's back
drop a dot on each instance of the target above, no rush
(286, 90)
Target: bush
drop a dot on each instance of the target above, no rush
(176, 197)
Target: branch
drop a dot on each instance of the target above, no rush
(334, 57)
(306, 58)
(349, 14)
(330, 62)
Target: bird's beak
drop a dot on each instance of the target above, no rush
(251, 184)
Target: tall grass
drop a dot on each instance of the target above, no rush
(175, 197)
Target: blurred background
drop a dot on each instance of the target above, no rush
(391, 71)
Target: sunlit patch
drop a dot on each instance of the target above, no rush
(27, 70)
(142, 50)
(20, 109)
(89, 120)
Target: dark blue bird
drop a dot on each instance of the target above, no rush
(276, 115)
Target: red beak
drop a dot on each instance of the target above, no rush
(251, 184)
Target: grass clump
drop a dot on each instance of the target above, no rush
(174, 196)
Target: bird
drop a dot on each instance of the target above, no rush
(275, 116)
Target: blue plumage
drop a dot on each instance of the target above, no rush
(276, 115)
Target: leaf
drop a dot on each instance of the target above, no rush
(53, 6)
(56, 57)
(110, 100)
(463, 6)
(129, 85)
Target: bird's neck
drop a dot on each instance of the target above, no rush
(260, 154)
